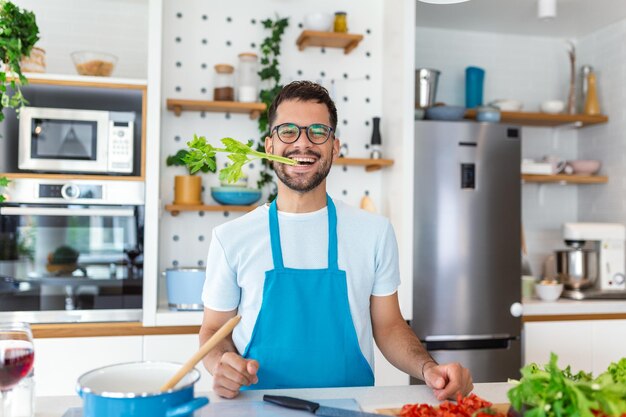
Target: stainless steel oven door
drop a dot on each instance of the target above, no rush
(63, 140)
(71, 262)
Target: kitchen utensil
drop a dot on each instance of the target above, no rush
(548, 290)
(376, 141)
(487, 114)
(321, 22)
(94, 63)
(474, 78)
(585, 166)
(266, 409)
(184, 288)
(217, 337)
(425, 86)
(239, 196)
(507, 104)
(577, 268)
(445, 113)
(314, 408)
(526, 270)
(132, 389)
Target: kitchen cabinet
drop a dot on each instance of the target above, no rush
(588, 345)
(60, 361)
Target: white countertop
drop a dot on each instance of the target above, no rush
(369, 398)
(562, 306)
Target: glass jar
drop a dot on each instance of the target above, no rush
(341, 22)
(248, 80)
(224, 89)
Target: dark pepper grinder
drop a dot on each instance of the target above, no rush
(376, 139)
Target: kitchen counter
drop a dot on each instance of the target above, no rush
(370, 398)
(565, 309)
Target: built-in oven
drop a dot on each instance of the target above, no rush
(72, 251)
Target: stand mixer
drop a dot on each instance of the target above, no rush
(595, 266)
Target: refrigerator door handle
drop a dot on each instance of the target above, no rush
(469, 344)
(440, 338)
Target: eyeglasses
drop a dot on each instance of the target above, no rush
(317, 133)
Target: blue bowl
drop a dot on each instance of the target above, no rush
(445, 113)
(235, 196)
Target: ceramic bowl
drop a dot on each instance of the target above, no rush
(321, 22)
(487, 114)
(445, 113)
(548, 290)
(507, 105)
(552, 106)
(235, 196)
(585, 166)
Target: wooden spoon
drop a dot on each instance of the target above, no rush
(201, 353)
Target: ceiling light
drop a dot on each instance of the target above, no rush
(443, 1)
(546, 9)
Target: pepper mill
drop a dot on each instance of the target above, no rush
(376, 139)
(592, 106)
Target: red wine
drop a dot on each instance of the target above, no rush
(16, 361)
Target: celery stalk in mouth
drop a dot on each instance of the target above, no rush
(201, 153)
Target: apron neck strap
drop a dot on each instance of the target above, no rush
(277, 253)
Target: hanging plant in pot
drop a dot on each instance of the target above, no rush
(188, 188)
(18, 35)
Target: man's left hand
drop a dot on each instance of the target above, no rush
(448, 380)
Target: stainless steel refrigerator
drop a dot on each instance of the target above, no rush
(466, 273)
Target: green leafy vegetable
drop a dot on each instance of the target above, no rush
(3, 183)
(555, 392)
(179, 158)
(200, 152)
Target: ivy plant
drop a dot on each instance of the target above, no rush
(18, 34)
(270, 80)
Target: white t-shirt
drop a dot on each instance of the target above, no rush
(240, 254)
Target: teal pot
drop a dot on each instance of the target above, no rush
(132, 389)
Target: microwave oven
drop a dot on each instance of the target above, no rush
(77, 141)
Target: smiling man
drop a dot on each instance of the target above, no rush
(314, 280)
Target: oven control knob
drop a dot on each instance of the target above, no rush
(70, 191)
(619, 279)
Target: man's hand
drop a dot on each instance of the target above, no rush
(448, 380)
(232, 372)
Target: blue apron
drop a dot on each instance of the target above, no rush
(304, 336)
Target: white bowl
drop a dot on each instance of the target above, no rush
(548, 292)
(552, 106)
(507, 105)
(321, 22)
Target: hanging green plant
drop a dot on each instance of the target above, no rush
(270, 77)
(18, 34)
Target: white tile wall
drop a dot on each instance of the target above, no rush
(606, 52)
(530, 69)
(119, 27)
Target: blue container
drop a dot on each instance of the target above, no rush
(474, 78)
(236, 196)
(184, 288)
(445, 113)
(132, 389)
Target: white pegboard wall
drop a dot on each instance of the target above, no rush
(197, 35)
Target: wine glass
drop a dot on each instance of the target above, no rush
(16, 360)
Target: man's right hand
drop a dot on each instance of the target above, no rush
(232, 372)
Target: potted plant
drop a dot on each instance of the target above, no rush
(18, 35)
(188, 188)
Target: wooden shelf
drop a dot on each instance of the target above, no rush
(566, 179)
(369, 164)
(345, 41)
(544, 119)
(28, 175)
(178, 106)
(175, 209)
(84, 81)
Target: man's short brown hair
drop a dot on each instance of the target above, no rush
(304, 91)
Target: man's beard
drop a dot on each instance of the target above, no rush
(303, 182)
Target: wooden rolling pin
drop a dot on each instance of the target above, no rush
(201, 353)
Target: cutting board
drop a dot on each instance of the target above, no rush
(501, 408)
(264, 409)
